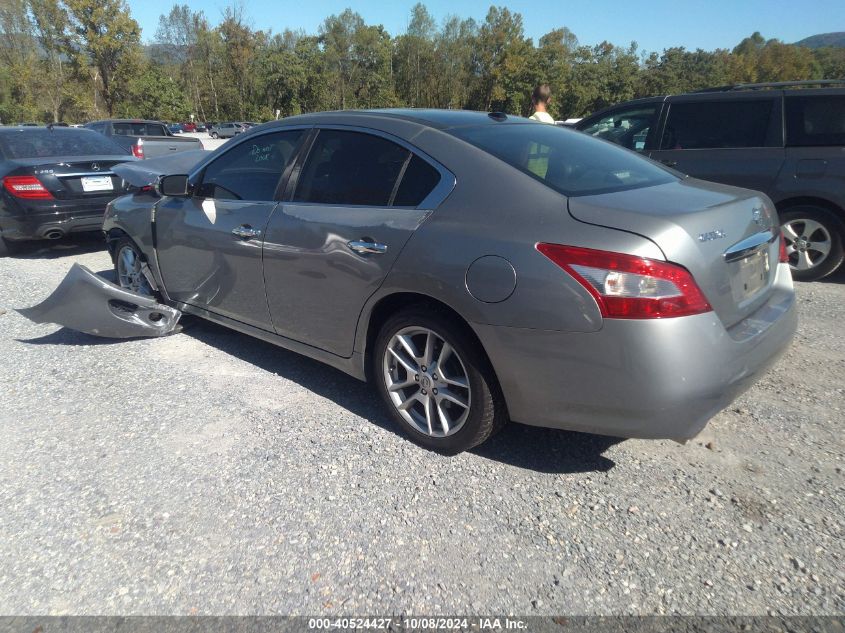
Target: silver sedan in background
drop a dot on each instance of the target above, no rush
(476, 267)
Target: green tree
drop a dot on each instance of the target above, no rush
(502, 63)
(103, 34)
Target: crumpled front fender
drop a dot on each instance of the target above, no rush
(88, 303)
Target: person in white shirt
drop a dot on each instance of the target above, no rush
(540, 99)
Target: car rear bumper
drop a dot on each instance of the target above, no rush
(55, 219)
(639, 378)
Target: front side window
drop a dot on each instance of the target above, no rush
(628, 128)
(717, 124)
(566, 160)
(251, 170)
(815, 120)
(351, 168)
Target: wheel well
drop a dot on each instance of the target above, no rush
(838, 213)
(391, 304)
(111, 238)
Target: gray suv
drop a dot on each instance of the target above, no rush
(776, 138)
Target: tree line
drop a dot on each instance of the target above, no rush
(77, 60)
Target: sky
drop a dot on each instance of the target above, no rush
(654, 24)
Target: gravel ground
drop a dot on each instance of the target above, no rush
(210, 473)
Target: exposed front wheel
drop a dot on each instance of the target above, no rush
(436, 383)
(813, 242)
(128, 266)
(215, 135)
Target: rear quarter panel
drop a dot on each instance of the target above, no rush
(496, 210)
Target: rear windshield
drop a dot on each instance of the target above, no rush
(37, 143)
(566, 160)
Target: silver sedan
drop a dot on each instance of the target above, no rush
(477, 268)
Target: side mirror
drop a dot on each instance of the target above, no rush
(176, 186)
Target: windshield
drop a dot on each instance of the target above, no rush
(566, 160)
(64, 142)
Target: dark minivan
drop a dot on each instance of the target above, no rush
(776, 138)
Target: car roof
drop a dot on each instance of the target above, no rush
(438, 119)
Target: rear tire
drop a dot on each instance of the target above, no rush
(444, 396)
(813, 241)
(215, 135)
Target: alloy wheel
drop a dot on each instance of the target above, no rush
(427, 381)
(130, 272)
(808, 243)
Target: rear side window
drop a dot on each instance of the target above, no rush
(417, 182)
(566, 160)
(351, 168)
(250, 171)
(628, 128)
(38, 143)
(815, 120)
(717, 124)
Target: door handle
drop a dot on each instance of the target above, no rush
(245, 231)
(669, 163)
(367, 248)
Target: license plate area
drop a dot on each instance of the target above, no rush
(751, 275)
(97, 183)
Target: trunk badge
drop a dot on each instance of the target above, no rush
(711, 235)
(95, 166)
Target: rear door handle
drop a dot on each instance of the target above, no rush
(245, 231)
(367, 248)
(670, 163)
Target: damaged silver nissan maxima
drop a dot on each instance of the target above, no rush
(477, 268)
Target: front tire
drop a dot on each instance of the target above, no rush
(215, 135)
(128, 268)
(436, 382)
(813, 241)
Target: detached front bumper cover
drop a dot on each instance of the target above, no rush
(88, 303)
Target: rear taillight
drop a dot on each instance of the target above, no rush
(630, 287)
(783, 256)
(26, 187)
(138, 149)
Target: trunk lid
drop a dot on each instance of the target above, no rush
(77, 177)
(725, 236)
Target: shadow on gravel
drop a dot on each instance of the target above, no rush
(66, 336)
(549, 450)
(77, 244)
(532, 448)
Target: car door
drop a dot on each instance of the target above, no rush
(353, 205)
(731, 138)
(209, 244)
